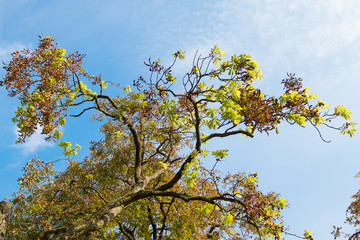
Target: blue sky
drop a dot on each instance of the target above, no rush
(318, 40)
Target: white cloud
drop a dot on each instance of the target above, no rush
(303, 28)
(34, 143)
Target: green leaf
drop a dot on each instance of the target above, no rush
(67, 148)
(62, 121)
(220, 153)
(307, 234)
(64, 144)
(57, 134)
(89, 176)
(118, 134)
(104, 84)
(162, 164)
(228, 218)
(281, 202)
(179, 54)
(127, 89)
(343, 112)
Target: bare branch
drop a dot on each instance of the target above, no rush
(82, 112)
(226, 134)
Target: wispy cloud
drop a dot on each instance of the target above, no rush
(34, 143)
(305, 29)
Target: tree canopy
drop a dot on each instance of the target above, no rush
(147, 177)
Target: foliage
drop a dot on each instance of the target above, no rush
(146, 177)
(352, 218)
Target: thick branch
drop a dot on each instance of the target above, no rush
(354, 236)
(5, 212)
(126, 231)
(136, 138)
(153, 224)
(197, 125)
(138, 149)
(226, 134)
(83, 111)
(177, 176)
(187, 198)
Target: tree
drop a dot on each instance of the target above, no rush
(146, 177)
(352, 218)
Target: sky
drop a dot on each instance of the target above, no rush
(318, 40)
